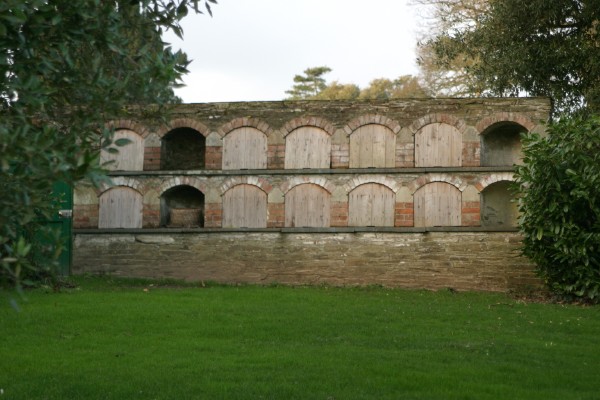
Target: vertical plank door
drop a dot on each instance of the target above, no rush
(437, 204)
(307, 205)
(372, 146)
(130, 156)
(245, 148)
(245, 206)
(371, 204)
(307, 147)
(438, 145)
(120, 207)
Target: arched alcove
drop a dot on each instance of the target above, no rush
(182, 206)
(501, 144)
(497, 206)
(183, 148)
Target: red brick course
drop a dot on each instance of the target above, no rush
(276, 215)
(85, 216)
(213, 215)
(214, 157)
(339, 214)
(471, 213)
(152, 158)
(276, 156)
(404, 214)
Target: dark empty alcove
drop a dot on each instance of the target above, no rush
(497, 207)
(182, 206)
(501, 144)
(183, 148)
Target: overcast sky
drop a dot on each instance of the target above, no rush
(251, 49)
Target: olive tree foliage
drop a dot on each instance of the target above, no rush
(405, 86)
(66, 68)
(338, 91)
(448, 76)
(537, 47)
(559, 202)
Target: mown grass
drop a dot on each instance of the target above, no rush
(129, 340)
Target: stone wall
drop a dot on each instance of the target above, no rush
(434, 260)
(398, 180)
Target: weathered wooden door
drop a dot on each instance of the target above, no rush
(437, 204)
(371, 204)
(307, 205)
(438, 145)
(120, 207)
(245, 206)
(307, 147)
(130, 157)
(245, 148)
(372, 146)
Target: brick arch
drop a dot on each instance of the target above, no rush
(517, 118)
(121, 181)
(260, 183)
(299, 122)
(244, 122)
(358, 180)
(375, 119)
(130, 125)
(300, 180)
(485, 181)
(448, 178)
(183, 123)
(441, 118)
(182, 181)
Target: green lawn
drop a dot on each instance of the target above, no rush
(128, 340)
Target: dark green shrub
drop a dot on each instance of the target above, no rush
(559, 190)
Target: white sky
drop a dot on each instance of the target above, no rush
(251, 49)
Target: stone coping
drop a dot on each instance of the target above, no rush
(352, 229)
(313, 171)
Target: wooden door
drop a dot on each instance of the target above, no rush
(438, 145)
(130, 156)
(372, 146)
(437, 204)
(245, 206)
(371, 204)
(307, 205)
(245, 148)
(307, 147)
(120, 207)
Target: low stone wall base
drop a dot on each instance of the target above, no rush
(432, 260)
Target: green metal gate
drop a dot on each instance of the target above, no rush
(60, 224)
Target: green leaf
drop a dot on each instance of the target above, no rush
(540, 233)
(122, 142)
